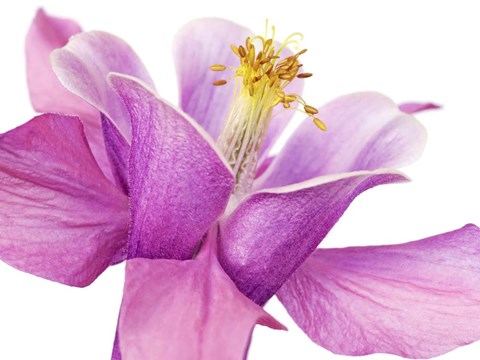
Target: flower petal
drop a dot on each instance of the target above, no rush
(179, 183)
(47, 94)
(418, 300)
(271, 233)
(414, 107)
(198, 45)
(185, 310)
(82, 67)
(118, 150)
(366, 131)
(65, 220)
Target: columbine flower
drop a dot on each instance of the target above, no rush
(418, 299)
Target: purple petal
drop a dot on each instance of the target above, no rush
(118, 150)
(418, 300)
(185, 310)
(271, 233)
(65, 220)
(414, 107)
(47, 94)
(179, 183)
(116, 354)
(198, 45)
(366, 131)
(82, 67)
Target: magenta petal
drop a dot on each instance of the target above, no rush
(179, 183)
(366, 131)
(419, 299)
(65, 220)
(414, 107)
(118, 150)
(82, 67)
(198, 45)
(185, 310)
(271, 233)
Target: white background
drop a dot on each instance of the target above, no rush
(409, 50)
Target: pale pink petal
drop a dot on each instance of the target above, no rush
(64, 220)
(417, 300)
(47, 94)
(270, 234)
(198, 45)
(82, 67)
(179, 182)
(414, 107)
(185, 310)
(366, 131)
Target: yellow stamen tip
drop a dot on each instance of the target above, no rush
(310, 110)
(218, 67)
(304, 75)
(320, 124)
(219, 82)
(242, 52)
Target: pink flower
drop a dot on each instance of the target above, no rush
(157, 187)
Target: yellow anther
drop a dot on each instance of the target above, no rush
(301, 52)
(277, 101)
(320, 124)
(310, 110)
(282, 68)
(241, 51)
(284, 62)
(286, 105)
(273, 80)
(286, 76)
(219, 82)
(269, 69)
(251, 57)
(235, 50)
(291, 97)
(304, 75)
(218, 67)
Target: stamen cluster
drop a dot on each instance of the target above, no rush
(264, 78)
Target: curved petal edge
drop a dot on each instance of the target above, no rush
(417, 300)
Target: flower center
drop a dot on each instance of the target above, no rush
(260, 81)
